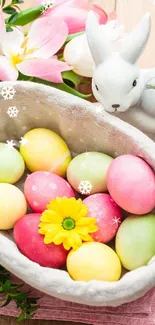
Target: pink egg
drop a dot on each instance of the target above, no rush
(108, 216)
(41, 187)
(31, 243)
(131, 183)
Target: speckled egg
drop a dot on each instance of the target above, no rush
(11, 164)
(31, 243)
(94, 261)
(41, 187)
(43, 149)
(108, 216)
(135, 241)
(87, 172)
(131, 183)
(12, 205)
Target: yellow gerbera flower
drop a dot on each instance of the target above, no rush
(65, 222)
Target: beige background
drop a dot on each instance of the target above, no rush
(129, 12)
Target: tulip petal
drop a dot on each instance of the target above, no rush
(46, 37)
(102, 16)
(75, 18)
(77, 54)
(49, 70)
(7, 71)
(11, 42)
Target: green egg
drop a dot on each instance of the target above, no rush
(87, 172)
(135, 241)
(11, 164)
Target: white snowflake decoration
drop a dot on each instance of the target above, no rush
(99, 110)
(8, 92)
(85, 187)
(12, 111)
(10, 143)
(116, 221)
(24, 141)
(46, 5)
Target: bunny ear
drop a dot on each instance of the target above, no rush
(97, 39)
(136, 41)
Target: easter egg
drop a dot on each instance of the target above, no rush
(12, 205)
(43, 149)
(131, 183)
(94, 261)
(31, 243)
(11, 164)
(41, 187)
(135, 241)
(87, 172)
(108, 216)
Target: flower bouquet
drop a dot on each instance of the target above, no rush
(52, 49)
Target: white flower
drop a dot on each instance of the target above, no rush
(77, 52)
(85, 187)
(12, 111)
(47, 4)
(8, 92)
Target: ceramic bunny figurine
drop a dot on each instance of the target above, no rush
(118, 83)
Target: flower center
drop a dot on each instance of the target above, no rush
(68, 223)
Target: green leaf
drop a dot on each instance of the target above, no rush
(9, 10)
(29, 316)
(27, 16)
(6, 302)
(72, 76)
(32, 309)
(13, 18)
(14, 2)
(3, 3)
(63, 87)
(71, 36)
(150, 86)
(21, 317)
(9, 29)
(7, 286)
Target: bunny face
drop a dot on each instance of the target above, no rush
(117, 84)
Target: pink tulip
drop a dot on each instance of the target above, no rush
(33, 55)
(74, 13)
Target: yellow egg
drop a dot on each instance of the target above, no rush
(43, 149)
(12, 205)
(94, 261)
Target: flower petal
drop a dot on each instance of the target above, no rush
(101, 14)
(51, 216)
(7, 71)
(75, 18)
(11, 42)
(85, 221)
(46, 37)
(66, 244)
(74, 239)
(86, 238)
(59, 238)
(49, 70)
(77, 54)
